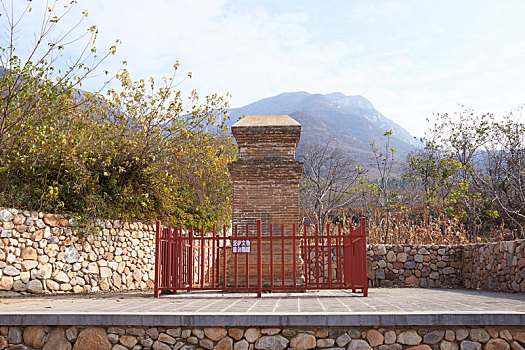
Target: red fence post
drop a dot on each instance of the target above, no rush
(364, 261)
(247, 260)
(213, 258)
(202, 260)
(224, 254)
(259, 260)
(157, 253)
(282, 255)
(339, 260)
(317, 254)
(170, 258)
(356, 263)
(236, 262)
(191, 275)
(347, 256)
(329, 258)
(178, 253)
(306, 257)
(271, 256)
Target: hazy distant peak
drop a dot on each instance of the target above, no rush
(296, 93)
(350, 120)
(349, 101)
(334, 99)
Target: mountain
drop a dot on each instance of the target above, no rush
(351, 122)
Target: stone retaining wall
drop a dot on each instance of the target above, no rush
(426, 266)
(242, 338)
(496, 266)
(42, 253)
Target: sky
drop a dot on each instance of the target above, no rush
(409, 58)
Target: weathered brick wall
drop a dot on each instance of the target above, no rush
(266, 141)
(266, 175)
(266, 180)
(269, 192)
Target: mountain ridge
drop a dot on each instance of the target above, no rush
(351, 121)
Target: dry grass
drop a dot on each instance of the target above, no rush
(418, 227)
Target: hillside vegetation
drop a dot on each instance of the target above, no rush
(467, 183)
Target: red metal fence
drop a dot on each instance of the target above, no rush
(244, 260)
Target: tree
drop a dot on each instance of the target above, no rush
(140, 151)
(431, 168)
(183, 144)
(503, 178)
(41, 104)
(463, 136)
(384, 160)
(33, 89)
(329, 181)
(470, 168)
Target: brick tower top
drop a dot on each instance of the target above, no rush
(267, 137)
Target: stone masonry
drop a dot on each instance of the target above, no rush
(262, 338)
(426, 266)
(44, 253)
(498, 266)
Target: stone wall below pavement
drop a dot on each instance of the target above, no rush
(242, 338)
(43, 253)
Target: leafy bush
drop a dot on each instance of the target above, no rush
(139, 152)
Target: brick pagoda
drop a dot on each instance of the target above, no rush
(266, 180)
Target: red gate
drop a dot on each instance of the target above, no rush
(242, 261)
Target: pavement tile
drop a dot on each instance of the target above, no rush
(380, 300)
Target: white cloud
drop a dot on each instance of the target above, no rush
(409, 58)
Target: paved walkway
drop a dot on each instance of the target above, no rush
(397, 300)
(382, 307)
